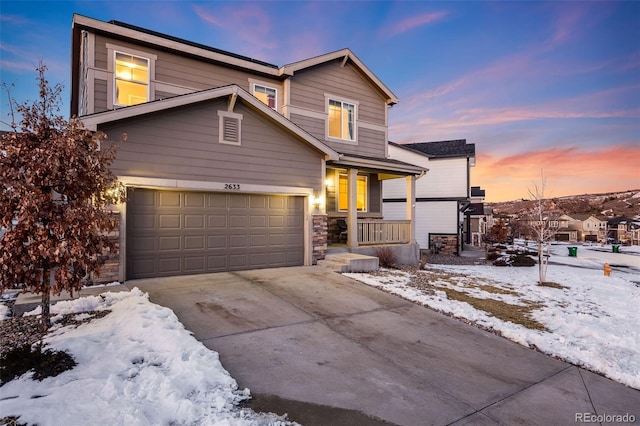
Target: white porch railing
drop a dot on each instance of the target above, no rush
(384, 231)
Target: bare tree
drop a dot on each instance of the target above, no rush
(56, 190)
(542, 226)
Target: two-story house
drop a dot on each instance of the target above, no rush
(620, 229)
(232, 163)
(442, 194)
(589, 227)
(478, 218)
(564, 232)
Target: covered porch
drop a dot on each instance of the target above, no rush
(354, 202)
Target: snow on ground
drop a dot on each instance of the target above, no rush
(593, 321)
(137, 365)
(4, 311)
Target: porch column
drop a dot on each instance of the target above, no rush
(411, 207)
(352, 209)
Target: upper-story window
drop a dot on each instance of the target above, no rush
(342, 120)
(266, 94)
(131, 79)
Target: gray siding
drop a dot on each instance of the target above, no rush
(369, 141)
(183, 72)
(183, 144)
(100, 52)
(100, 99)
(308, 88)
(313, 126)
(163, 95)
(187, 72)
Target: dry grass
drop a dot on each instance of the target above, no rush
(516, 314)
(552, 285)
(431, 281)
(496, 290)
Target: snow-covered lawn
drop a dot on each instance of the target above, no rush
(137, 365)
(591, 321)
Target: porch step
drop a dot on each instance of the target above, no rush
(351, 262)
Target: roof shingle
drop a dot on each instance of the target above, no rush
(442, 149)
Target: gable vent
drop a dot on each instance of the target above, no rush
(230, 127)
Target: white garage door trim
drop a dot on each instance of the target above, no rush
(159, 183)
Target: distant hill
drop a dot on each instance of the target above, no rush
(612, 204)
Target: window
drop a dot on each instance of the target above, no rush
(131, 79)
(229, 128)
(361, 193)
(266, 94)
(342, 120)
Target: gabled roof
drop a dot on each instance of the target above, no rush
(619, 220)
(586, 216)
(441, 149)
(190, 43)
(122, 30)
(345, 55)
(92, 121)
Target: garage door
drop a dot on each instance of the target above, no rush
(178, 233)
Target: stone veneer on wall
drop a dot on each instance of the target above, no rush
(319, 238)
(448, 244)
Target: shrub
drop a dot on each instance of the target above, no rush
(493, 255)
(387, 257)
(514, 260)
(522, 260)
(501, 262)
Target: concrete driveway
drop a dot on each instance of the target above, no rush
(329, 350)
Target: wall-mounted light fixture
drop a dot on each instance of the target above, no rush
(317, 202)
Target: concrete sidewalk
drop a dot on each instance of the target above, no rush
(308, 337)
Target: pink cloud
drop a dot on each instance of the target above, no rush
(246, 22)
(207, 16)
(17, 66)
(15, 20)
(414, 22)
(632, 62)
(567, 24)
(569, 171)
(455, 116)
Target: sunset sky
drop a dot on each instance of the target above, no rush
(537, 86)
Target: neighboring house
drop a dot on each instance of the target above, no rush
(589, 227)
(560, 222)
(553, 226)
(478, 219)
(232, 163)
(442, 195)
(620, 229)
(635, 233)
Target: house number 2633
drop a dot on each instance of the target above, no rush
(233, 186)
